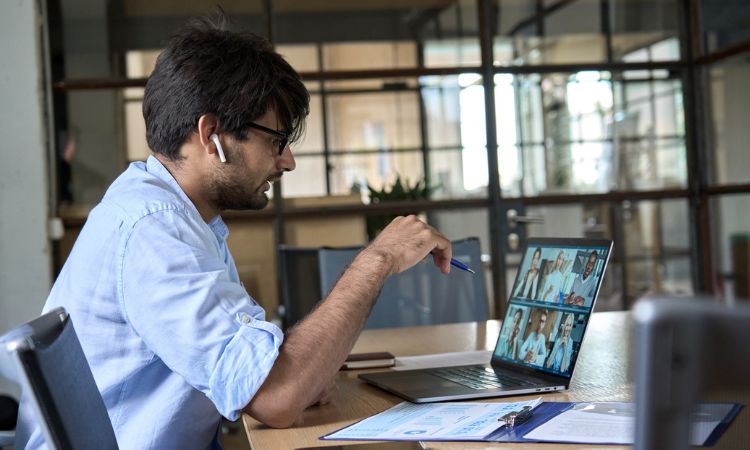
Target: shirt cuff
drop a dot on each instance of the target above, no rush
(244, 365)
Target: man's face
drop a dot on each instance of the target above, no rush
(589, 266)
(542, 321)
(516, 323)
(559, 260)
(252, 164)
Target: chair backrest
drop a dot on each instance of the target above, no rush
(683, 347)
(56, 377)
(299, 272)
(420, 296)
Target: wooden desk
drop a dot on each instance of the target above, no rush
(601, 374)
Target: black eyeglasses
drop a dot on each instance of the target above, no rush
(283, 137)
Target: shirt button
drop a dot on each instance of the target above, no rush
(245, 319)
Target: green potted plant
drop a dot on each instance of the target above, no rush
(399, 191)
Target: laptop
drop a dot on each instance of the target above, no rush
(549, 309)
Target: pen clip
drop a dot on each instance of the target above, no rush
(514, 418)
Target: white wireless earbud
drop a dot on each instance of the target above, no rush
(219, 150)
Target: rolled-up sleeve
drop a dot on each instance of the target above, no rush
(177, 294)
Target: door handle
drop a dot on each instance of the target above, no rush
(514, 219)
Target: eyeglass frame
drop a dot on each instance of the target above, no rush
(284, 137)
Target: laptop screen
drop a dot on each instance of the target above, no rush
(550, 303)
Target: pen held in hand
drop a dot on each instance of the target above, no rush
(460, 265)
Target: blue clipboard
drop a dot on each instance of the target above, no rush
(548, 410)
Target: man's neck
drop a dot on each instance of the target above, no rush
(192, 184)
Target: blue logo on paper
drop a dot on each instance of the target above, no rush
(415, 432)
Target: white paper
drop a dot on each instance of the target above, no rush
(432, 421)
(443, 360)
(614, 423)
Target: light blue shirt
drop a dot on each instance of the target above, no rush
(173, 339)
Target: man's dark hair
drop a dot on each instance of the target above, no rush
(236, 76)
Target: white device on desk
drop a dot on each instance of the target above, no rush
(550, 305)
(683, 346)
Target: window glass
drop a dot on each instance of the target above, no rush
(369, 34)
(573, 32)
(303, 57)
(657, 247)
(442, 107)
(353, 172)
(732, 245)
(369, 55)
(373, 121)
(589, 131)
(308, 179)
(452, 52)
(136, 147)
(448, 177)
(312, 140)
(730, 107)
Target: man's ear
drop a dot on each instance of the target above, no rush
(208, 125)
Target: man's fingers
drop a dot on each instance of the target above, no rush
(408, 240)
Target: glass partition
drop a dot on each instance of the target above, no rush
(354, 172)
(591, 131)
(583, 31)
(656, 239)
(730, 107)
(367, 35)
(732, 246)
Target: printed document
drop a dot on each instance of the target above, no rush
(432, 421)
(614, 423)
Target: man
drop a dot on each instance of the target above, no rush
(534, 348)
(173, 339)
(584, 284)
(562, 351)
(509, 346)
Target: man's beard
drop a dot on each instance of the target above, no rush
(231, 194)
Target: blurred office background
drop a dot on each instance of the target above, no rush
(624, 119)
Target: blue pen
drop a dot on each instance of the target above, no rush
(460, 265)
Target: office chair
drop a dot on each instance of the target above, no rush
(420, 296)
(684, 346)
(8, 404)
(56, 377)
(8, 416)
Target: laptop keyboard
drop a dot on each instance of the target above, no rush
(482, 377)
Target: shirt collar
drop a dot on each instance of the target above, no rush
(157, 169)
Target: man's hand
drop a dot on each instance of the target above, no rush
(314, 349)
(408, 240)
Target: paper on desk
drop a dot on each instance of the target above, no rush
(614, 423)
(431, 421)
(443, 360)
